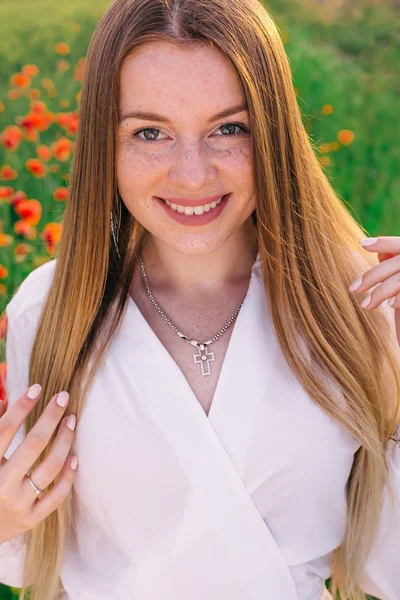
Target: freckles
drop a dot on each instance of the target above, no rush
(146, 154)
(142, 160)
(235, 154)
(240, 157)
(247, 151)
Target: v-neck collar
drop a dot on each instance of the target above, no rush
(165, 358)
(212, 451)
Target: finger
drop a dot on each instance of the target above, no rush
(50, 468)
(15, 416)
(385, 244)
(54, 497)
(394, 302)
(382, 292)
(37, 439)
(378, 274)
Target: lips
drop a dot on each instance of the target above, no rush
(195, 220)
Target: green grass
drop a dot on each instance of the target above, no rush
(30, 29)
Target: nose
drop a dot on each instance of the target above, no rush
(192, 167)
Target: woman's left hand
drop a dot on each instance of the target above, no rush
(386, 274)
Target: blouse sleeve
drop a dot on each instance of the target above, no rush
(13, 552)
(382, 570)
(23, 315)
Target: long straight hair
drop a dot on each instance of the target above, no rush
(309, 250)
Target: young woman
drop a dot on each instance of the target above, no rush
(236, 406)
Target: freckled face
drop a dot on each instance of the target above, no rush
(189, 155)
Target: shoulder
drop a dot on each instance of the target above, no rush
(32, 292)
(23, 313)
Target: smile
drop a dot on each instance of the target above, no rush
(194, 210)
(194, 215)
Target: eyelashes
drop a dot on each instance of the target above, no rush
(243, 129)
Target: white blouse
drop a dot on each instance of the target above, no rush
(246, 503)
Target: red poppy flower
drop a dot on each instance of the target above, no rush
(36, 167)
(30, 211)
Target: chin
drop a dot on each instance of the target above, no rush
(192, 244)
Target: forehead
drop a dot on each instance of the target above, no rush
(162, 76)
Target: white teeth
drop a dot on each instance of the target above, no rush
(194, 210)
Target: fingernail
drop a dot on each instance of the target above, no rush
(368, 241)
(391, 301)
(71, 422)
(74, 462)
(34, 391)
(62, 399)
(356, 284)
(366, 301)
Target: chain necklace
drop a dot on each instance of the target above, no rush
(203, 356)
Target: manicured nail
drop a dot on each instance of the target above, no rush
(74, 462)
(366, 301)
(355, 285)
(34, 391)
(62, 399)
(368, 241)
(71, 422)
(391, 301)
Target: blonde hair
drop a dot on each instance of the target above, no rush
(307, 242)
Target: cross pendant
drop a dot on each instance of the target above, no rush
(204, 358)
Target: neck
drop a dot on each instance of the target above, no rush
(190, 275)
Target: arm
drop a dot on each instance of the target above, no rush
(13, 552)
(23, 315)
(381, 576)
(382, 570)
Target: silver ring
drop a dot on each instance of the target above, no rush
(34, 486)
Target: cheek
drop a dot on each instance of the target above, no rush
(239, 162)
(240, 168)
(136, 166)
(137, 178)
(134, 184)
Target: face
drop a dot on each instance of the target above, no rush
(188, 155)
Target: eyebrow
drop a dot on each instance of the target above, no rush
(149, 116)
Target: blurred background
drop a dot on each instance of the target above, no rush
(344, 56)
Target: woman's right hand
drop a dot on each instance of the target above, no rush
(20, 507)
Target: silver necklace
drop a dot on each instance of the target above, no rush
(203, 357)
